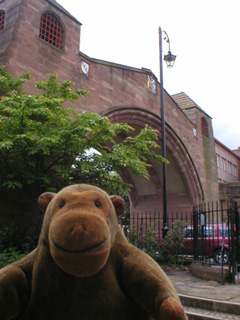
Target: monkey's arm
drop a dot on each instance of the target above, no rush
(15, 288)
(149, 286)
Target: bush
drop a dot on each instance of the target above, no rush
(134, 237)
(166, 252)
(15, 243)
(173, 243)
(10, 256)
(22, 240)
(147, 242)
(10, 237)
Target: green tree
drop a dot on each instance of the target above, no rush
(43, 144)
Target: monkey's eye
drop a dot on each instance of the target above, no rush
(97, 203)
(62, 204)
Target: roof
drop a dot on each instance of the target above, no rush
(61, 8)
(185, 102)
(221, 145)
(117, 65)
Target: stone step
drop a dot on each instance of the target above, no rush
(200, 314)
(225, 307)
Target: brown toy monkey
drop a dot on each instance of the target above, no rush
(84, 268)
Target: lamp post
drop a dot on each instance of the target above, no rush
(170, 59)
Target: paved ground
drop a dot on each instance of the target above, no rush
(186, 284)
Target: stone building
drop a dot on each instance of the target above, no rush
(42, 37)
(228, 166)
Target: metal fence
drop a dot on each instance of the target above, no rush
(144, 220)
(211, 232)
(215, 236)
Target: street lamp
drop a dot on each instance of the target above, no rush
(170, 59)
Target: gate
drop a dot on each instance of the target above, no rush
(216, 236)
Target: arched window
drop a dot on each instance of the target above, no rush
(204, 126)
(51, 30)
(2, 20)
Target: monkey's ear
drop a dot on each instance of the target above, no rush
(119, 204)
(44, 200)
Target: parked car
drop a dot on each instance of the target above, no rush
(210, 242)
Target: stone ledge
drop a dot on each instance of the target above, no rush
(209, 273)
(210, 304)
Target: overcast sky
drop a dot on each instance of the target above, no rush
(203, 34)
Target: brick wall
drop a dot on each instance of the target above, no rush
(111, 86)
(24, 51)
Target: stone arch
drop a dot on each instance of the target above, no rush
(184, 187)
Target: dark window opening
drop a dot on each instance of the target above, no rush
(2, 20)
(204, 127)
(51, 30)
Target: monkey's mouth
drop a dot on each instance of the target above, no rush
(89, 249)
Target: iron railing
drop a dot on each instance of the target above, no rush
(211, 232)
(144, 220)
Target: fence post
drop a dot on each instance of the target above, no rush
(195, 233)
(237, 221)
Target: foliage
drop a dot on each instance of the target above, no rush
(146, 242)
(10, 256)
(15, 243)
(173, 243)
(43, 144)
(10, 237)
(22, 240)
(166, 252)
(134, 237)
(150, 244)
(124, 219)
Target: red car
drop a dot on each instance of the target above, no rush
(212, 243)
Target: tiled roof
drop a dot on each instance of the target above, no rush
(185, 102)
(61, 8)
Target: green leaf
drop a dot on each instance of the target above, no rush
(43, 144)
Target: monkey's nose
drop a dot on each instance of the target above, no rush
(77, 231)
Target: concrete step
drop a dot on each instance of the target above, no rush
(201, 308)
(200, 314)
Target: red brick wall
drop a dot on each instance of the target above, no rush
(27, 52)
(110, 85)
(230, 191)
